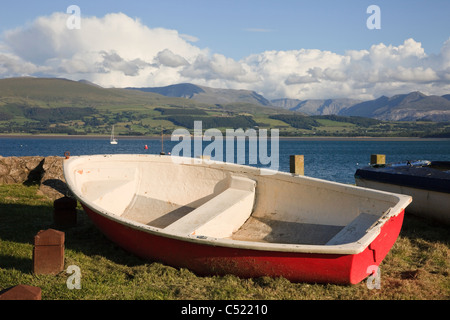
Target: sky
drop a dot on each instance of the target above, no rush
(281, 49)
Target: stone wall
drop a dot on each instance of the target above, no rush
(45, 171)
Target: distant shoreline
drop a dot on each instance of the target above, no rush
(167, 137)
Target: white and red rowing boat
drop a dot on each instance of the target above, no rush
(217, 218)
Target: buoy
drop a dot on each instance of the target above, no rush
(146, 147)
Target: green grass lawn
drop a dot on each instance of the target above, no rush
(416, 268)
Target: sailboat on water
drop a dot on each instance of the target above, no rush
(113, 140)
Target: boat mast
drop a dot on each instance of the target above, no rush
(162, 143)
(112, 139)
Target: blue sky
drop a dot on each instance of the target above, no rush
(238, 29)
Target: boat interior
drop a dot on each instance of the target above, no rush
(443, 166)
(234, 202)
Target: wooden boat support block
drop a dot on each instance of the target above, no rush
(378, 159)
(297, 164)
(65, 203)
(65, 218)
(21, 292)
(65, 212)
(48, 252)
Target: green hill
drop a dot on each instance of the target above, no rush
(61, 106)
(51, 92)
(50, 105)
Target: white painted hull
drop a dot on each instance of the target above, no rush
(425, 203)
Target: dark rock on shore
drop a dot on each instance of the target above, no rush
(45, 171)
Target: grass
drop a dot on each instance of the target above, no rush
(417, 267)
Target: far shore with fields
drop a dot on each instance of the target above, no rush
(167, 137)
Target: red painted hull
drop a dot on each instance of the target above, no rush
(206, 259)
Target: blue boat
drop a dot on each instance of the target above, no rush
(428, 182)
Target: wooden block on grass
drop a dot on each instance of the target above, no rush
(21, 292)
(48, 252)
(65, 212)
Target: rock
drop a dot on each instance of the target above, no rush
(20, 169)
(45, 171)
(3, 170)
(52, 182)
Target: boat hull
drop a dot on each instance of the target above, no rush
(427, 204)
(204, 259)
(429, 188)
(217, 218)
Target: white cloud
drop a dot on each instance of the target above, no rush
(215, 67)
(115, 50)
(445, 55)
(170, 59)
(359, 74)
(11, 66)
(118, 51)
(112, 61)
(189, 37)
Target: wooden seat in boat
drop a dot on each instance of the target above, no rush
(222, 215)
(354, 230)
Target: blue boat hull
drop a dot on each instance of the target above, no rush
(428, 182)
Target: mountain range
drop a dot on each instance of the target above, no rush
(403, 107)
(208, 95)
(49, 92)
(316, 106)
(61, 106)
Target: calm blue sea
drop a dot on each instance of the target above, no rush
(335, 160)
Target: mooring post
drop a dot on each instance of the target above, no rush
(377, 159)
(297, 164)
(48, 252)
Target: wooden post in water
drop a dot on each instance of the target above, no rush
(377, 159)
(297, 164)
(162, 143)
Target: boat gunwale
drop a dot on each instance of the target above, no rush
(416, 176)
(341, 249)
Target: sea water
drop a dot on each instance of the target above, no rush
(330, 159)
